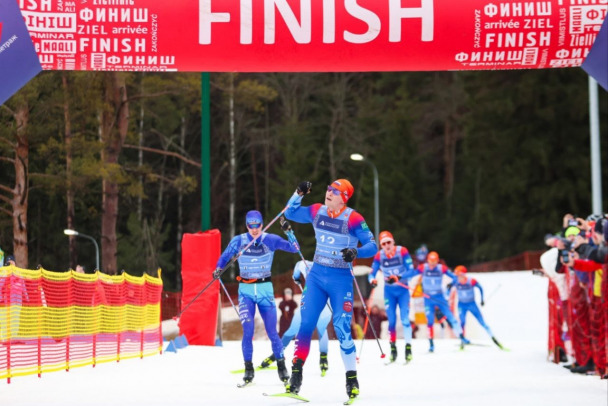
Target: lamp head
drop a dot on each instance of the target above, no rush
(357, 157)
(67, 231)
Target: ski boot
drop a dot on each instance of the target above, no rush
(295, 382)
(267, 361)
(408, 353)
(249, 372)
(283, 374)
(584, 369)
(431, 345)
(463, 340)
(502, 348)
(323, 363)
(352, 385)
(393, 357)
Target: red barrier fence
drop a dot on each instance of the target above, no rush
(520, 262)
(51, 321)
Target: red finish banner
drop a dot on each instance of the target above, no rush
(312, 35)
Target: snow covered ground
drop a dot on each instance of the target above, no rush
(516, 309)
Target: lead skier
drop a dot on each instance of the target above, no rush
(338, 231)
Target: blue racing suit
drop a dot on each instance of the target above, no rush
(466, 302)
(432, 287)
(255, 287)
(396, 294)
(301, 269)
(330, 276)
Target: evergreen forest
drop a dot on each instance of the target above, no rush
(477, 165)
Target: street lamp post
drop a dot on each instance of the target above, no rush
(359, 157)
(67, 231)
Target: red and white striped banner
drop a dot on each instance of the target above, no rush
(312, 35)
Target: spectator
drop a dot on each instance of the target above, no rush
(288, 307)
(589, 263)
(376, 317)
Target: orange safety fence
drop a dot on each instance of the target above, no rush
(51, 321)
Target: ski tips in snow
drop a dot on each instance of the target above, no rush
(244, 384)
(350, 401)
(242, 371)
(287, 395)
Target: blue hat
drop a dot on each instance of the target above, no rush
(254, 219)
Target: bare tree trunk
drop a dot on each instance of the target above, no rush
(449, 156)
(114, 125)
(140, 153)
(73, 253)
(254, 177)
(19, 199)
(232, 177)
(180, 211)
(336, 128)
(267, 165)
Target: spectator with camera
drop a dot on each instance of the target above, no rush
(574, 286)
(590, 257)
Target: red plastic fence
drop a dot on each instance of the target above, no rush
(51, 321)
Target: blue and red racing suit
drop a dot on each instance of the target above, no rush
(330, 276)
(466, 302)
(255, 287)
(399, 264)
(301, 269)
(432, 287)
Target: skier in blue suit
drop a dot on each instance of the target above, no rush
(432, 277)
(255, 287)
(395, 263)
(466, 300)
(299, 273)
(338, 232)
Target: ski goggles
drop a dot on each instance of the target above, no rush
(254, 225)
(333, 190)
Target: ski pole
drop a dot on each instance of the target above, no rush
(424, 295)
(492, 293)
(352, 272)
(229, 298)
(292, 239)
(233, 260)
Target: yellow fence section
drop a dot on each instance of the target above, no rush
(51, 321)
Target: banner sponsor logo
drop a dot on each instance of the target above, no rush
(312, 35)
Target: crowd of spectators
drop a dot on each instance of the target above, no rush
(576, 265)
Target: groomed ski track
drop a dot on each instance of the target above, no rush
(477, 376)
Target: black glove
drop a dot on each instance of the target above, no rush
(482, 303)
(285, 226)
(373, 283)
(304, 188)
(298, 280)
(449, 286)
(349, 254)
(392, 279)
(217, 273)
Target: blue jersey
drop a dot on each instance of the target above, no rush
(399, 264)
(466, 293)
(432, 278)
(333, 234)
(256, 261)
